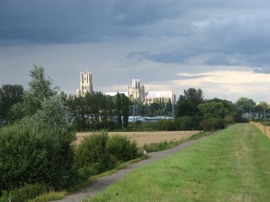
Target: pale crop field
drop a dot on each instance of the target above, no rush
(146, 137)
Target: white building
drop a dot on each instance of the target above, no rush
(86, 84)
(164, 96)
(137, 91)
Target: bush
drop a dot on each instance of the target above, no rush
(92, 155)
(29, 154)
(183, 123)
(166, 125)
(25, 193)
(212, 124)
(154, 147)
(122, 148)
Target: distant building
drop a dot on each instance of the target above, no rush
(163, 96)
(86, 84)
(137, 91)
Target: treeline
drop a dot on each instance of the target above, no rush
(194, 112)
(97, 111)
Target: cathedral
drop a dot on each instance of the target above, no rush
(86, 84)
(135, 91)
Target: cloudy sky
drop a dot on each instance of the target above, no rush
(222, 47)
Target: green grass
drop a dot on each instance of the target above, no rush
(50, 196)
(231, 165)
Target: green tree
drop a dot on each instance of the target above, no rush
(40, 88)
(9, 96)
(118, 110)
(245, 104)
(38, 148)
(125, 109)
(187, 104)
(212, 110)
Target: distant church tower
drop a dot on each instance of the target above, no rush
(86, 84)
(136, 90)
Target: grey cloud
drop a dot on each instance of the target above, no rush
(175, 56)
(64, 21)
(206, 32)
(52, 21)
(233, 40)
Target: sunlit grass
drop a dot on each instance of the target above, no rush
(232, 165)
(50, 196)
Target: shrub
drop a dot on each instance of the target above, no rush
(211, 124)
(92, 155)
(166, 125)
(25, 193)
(30, 153)
(183, 123)
(153, 147)
(122, 148)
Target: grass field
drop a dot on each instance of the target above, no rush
(231, 165)
(147, 137)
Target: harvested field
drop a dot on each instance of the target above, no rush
(146, 137)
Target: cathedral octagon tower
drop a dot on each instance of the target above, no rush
(136, 90)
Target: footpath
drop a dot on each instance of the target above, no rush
(101, 183)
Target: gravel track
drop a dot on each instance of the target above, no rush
(101, 183)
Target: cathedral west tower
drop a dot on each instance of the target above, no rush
(86, 84)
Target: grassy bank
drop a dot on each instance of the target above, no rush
(232, 165)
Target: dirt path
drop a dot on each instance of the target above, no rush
(101, 183)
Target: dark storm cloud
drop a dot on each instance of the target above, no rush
(227, 40)
(60, 21)
(206, 32)
(65, 21)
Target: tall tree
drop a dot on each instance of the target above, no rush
(212, 110)
(119, 110)
(125, 109)
(188, 103)
(246, 104)
(40, 88)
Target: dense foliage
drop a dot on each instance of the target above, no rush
(97, 111)
(36, 151)
(159, 107)
(9, 96)
(37, 148)
(28, 191)
(122, 148)
(193, 112)
(92, 154)
(98, 152)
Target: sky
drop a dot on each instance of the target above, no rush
(221, 47)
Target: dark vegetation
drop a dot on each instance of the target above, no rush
(38, 128)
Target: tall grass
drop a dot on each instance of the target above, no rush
(232, 165)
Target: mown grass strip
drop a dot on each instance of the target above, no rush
(232, 165)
